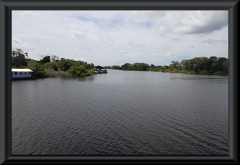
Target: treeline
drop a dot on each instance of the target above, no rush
(54, 66)
(198, 65)
(51, 65)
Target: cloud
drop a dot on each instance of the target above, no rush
(169, 55)
(78, 29)
(110, 42)
(78, 35)
(126, 36)
(16, 43)
(73, 34)
(162, 30)
(123, 52)
(155, 54)
(210, 41)
(83, 59)
(201, 22)
(107, 40)
(29, 13)
(26, 13)
(136, 45)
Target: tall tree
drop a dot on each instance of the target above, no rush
(19, 58)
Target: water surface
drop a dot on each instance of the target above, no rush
(121, 113)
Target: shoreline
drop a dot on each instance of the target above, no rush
(174, 72)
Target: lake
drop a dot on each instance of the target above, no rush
(121, 113)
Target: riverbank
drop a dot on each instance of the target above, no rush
(192, 72)
(219, 73)
(52, 73)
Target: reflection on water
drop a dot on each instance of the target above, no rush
(121, 113)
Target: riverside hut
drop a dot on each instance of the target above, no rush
(21, 73)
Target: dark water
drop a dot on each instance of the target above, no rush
(121, 113)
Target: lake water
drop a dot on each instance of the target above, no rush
(121, 113)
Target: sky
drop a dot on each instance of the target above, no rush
(109, 38)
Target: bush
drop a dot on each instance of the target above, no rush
(38, 70)
(220, 73)
(79, 71)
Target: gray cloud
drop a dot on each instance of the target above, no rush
(107, 40)
(123, 52)
(136, 45)
(154, 35)
(16, 43)
(202, 23)
(162, 29)
(78, 36)
(169, 54)
(210, 41)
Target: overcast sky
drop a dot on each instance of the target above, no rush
(118, 37)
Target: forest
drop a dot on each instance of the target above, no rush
(52, 66)
(198, 65)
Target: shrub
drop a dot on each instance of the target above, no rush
(79, 71)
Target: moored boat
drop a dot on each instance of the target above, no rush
(99, 71)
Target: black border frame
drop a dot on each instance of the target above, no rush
(6, 6)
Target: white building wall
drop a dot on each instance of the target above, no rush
(23, 75)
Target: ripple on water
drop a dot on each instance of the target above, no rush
(114, 114)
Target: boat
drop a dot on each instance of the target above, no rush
(104, 71)
(100, 71)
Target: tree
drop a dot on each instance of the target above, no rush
(116, 67)
(64, 64)
(38, 69)
(126, 66)
(99, 67)
(79, 71)
(19, 58)
(54, 58)
(174, 65)
(45, 60)
(140, 66)
(90, 66)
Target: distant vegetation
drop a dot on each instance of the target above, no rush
(198, 65)
(50, 66)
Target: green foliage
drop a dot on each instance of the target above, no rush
(220, 73)
(64, 64)
(156, 68)
(19, 58)
(116, 67)
(45, 60)
(90, 66)
(38, 69)
(127, 66)
(201, 65)
(79, 71)
(197, 65)
(135, 66)
(46, 67)
(54, 66)
(99, 67)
